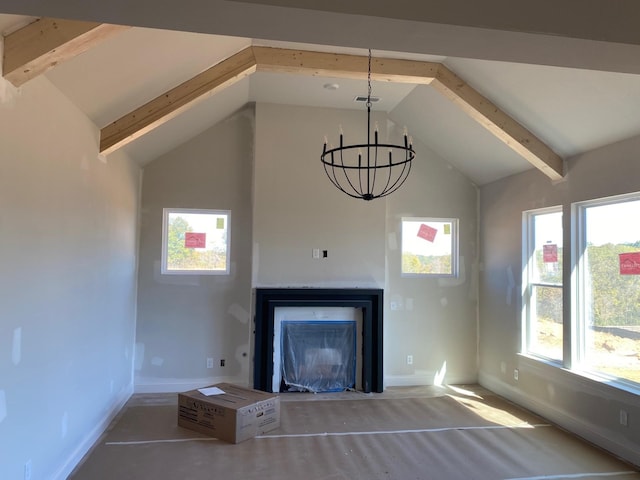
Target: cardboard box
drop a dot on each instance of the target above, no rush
(237, 415)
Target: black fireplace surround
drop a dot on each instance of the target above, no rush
(369, 300)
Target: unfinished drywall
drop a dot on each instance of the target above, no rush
(583, 405)
(67, 289)
(185, 319)
(431, 323)
(297, 210)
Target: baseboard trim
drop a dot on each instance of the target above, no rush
(423, 379)
(177, 385)
(93, 436)
(575, 425)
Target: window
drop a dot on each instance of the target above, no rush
(608, 290)
(195, 241)
(430, 247)
(542, 283)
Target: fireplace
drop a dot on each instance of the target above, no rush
(368, 301)
(314, 355)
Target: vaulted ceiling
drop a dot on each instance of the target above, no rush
(150, 89)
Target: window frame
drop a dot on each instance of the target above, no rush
(454, 247)
(579, 361)
(165, 240)
(529, 284)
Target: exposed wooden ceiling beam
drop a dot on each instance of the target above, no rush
(41, 45)
(501, 125)
(281, 60)
(301, 62)
(170, 104)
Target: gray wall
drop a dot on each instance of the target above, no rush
(185, 319)
(283, 207)
(585, 406)
(67, 282)
(436, 319)
(297, 209)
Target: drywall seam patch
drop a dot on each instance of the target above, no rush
(16, 349)
(408, 304)
(255, 263)
(242, 356)
(3, 406)
(474, 283)
(510, 284)
(239, 313)
(138, 356)
(157, 361)
(392, 241)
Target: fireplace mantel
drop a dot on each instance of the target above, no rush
(369, 300)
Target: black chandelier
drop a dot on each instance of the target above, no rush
(377, 174)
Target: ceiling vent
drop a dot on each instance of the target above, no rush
(363, 99)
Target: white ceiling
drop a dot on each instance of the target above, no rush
(571, 110)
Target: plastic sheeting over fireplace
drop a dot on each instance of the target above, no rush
(318, 356)
(368, 301)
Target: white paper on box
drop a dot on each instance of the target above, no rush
(211, 391)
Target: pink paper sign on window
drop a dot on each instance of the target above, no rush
(427, 232)
(550, 253)
(630, 263)
(195, 240)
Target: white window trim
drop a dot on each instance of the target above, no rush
(579, 364)
(528, 305)
(454, 247)
(163, 254)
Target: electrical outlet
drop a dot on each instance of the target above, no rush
(409, 359)
(516, 374)
(222, 362)
(315, 253)
(209, 362)
(624, 419)
(27, 470)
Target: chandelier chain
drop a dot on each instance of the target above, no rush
(369, 82)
